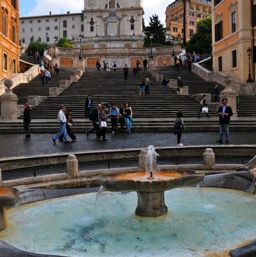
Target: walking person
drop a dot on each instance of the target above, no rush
(94, 118)
(114, 114)
(102, 123)
(125, 69)
(203, 107)
(142, 85)
(88, 106)
(165, 84)
(224, 112)
(128, 117)
(62, 125)
(147, 82)
(26, 119)
(57, 69)
(145, 64)
(47, 76)
(69, 125)
(179, 125)
(179, 86)
(135, 72)
(121, 115)
(114, 66)
(98, 65)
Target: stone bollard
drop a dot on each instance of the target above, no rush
(9, 102)
(142, 159)
(209, 158)
(72, 166)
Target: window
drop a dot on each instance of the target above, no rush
(39, 39)
(175, 29)
(56, 28)
(23, 30)
(91, 25)
(47, 28)
(191, 32)
(14, 3)
(55, 19)
(30, 21)
(73, 26)
(38, 21)
(14, 70)
(31, 29)
(192, 23)
(5, 62)
(234, 59)
(233, 22)
(5, 25)
(23, 40)
(39, 29)
(65, 34)
(47, 20)
(82, 27)
(218, 31)
(22, 22)
(220, 63)
(65, 24)
(14, 34)
(217, 2)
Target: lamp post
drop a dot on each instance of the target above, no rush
(55, 41)
(249, 52)
(151, 50)
(80, 54)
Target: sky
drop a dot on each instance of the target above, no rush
(43, 7)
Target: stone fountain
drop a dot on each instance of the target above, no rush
(151, 185)
(8, 198)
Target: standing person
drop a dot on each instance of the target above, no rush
(147, 82)
(142, 85)
(62, 125)
(98, 65)
(69, 125)
(165, 84)
(179, 86)
(203, 107)
(104, 66)
(48, 76)
(145, 64)
(88, 106)
(128, 117)
(224, 112)
(114, 66)
(26, 119)
(102, 123)
(135, 72)
(179, 125)
(125, 69)
(177, 64)
(57, 69)
(114, 114)
(121, 115)
(94, 118)
(216, 93)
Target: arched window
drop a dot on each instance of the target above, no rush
(92, 25)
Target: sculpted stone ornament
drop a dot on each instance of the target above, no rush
(91, 3)
(8, 83)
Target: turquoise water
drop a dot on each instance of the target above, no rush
(198, 221)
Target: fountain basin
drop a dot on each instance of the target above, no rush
(150, 190)
(8, 198)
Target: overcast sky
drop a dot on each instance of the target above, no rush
(43, 7)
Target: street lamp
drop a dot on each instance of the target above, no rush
(249, 52)
(55, 41)
(80, 54)
(151, 50)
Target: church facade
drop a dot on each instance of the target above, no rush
(109, 23)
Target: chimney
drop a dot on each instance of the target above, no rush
(50, 13)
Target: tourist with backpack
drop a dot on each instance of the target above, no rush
(114, 114)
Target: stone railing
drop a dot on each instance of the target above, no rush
(21, 78)
(202, 72)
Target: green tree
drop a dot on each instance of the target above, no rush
(64, 42)
(201, 42)
(156, 30)
(36, 47)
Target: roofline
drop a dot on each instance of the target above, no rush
(51, 15)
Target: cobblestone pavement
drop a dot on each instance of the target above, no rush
(17, 145)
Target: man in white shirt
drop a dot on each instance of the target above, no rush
(62, 125)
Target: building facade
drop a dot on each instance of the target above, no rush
(194, 11)
(9, 38)
(100, 23)
(233, 26)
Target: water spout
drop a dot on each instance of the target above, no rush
(151, 162)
